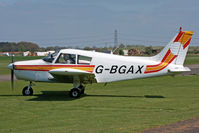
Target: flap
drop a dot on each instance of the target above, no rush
(68, 71)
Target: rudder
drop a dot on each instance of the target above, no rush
(183, 39)
(177, 48)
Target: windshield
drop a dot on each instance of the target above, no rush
(51, 57)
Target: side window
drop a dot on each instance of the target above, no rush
(84, 60)
(66, 59)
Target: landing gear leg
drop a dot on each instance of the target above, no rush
(82, 88)
(78, 88)
(28, 91)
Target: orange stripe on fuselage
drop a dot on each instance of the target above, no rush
(162, 67)
(164, 58)
(167, 59)
(88, 68)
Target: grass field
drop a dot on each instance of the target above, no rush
(192, 59)
(127, 106)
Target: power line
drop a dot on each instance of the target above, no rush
(115, 38)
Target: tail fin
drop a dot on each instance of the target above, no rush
(175, 52)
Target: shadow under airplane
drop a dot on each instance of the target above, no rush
(64, 96)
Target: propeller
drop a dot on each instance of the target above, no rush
(12, 72)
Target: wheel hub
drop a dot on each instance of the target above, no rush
(27, 92)
(75, 93)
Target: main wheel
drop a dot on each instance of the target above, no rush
(75, 93)
(27, 92)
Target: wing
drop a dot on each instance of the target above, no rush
(66, 75)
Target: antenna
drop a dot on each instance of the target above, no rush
(180, 29)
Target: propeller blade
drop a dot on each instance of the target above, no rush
(12, 72)
(12, 59)
(12, 79)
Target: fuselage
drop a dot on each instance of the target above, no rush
(105, 67)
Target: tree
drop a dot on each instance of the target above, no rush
(29, 46)
(148, 50)
(121, 52)
(21, 46)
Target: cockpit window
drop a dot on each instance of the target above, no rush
(66, 59)
(51, 57)
(84, 60)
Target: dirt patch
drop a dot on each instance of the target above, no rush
(186, 126)
(194, 70)
(5, 78)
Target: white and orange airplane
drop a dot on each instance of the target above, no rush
(81, 67)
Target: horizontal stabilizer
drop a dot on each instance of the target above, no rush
(179, 69)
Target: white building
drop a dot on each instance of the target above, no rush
(27, 53)
(5, 54)
(44, 53)
(125, 52)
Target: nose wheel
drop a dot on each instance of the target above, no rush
(28, 91)
(77, 92)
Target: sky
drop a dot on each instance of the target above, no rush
(79, 23)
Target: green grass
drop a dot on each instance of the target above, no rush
(192, 59)
(126, 106)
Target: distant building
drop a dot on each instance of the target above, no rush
(108, 52)
(50, 52)
(27, 53)
(133, 51)
(125, 52)
(41, 53)
(4, 54)
(44, 53)
(156, 51)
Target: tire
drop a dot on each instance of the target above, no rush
(25, 91)
(75, 93)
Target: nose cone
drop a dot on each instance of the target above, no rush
(10, 66)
